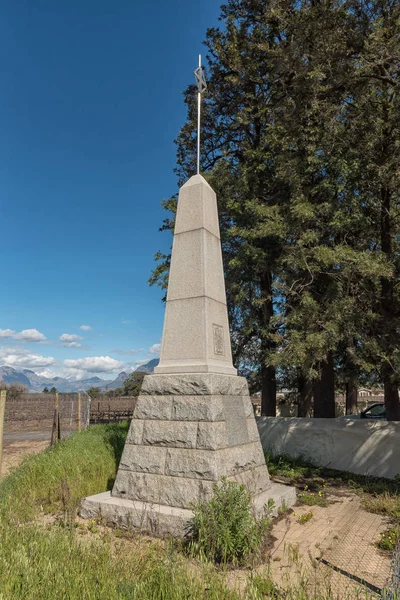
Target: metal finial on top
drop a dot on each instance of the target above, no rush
(201, 87)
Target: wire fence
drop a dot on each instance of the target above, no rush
(31, 416)
(392, 590)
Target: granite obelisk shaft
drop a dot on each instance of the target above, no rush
(196, 330)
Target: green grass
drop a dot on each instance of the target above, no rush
(40, 564)
(384, 504)
(58, 478)
(313, 498)
(51, 562)
(301, 472)
(70, 560)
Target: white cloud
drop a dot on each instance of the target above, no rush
(95, 364)
(30, 335)
(85, 327)
(20, 359)
(122, 351)
(26, 335)
(155, 349)
(45, 372)
(70, 337)
(6, 333)
(72, 345)
(75, 374)
(139, 363)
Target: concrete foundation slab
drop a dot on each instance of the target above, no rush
(161, 520)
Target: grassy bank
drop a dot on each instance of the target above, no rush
(56, 480)
(40, 561)
(41, 564)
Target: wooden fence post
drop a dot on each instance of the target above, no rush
(3, 396)
(56, 430)
(79, 411)
(89, 407)
(58, 417)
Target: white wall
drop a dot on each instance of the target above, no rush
(359, 446)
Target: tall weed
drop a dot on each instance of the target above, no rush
(224, 529)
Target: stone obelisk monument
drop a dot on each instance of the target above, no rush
(193, 422)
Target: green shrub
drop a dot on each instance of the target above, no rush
(304, 518)
(389, 539)
(224, 530)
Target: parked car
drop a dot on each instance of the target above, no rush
(375, 411)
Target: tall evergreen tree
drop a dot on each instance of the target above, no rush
(374, 127)
(300, 142)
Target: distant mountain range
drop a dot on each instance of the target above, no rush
(148, 367)
(36, 383)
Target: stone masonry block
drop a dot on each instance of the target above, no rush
(198, 408)
(161, 489)
(252, 429)
(214, 464)
(212, 436)
(194, 384)
(144, 459)
(248, 407)
(235, 418)
(256, 480)
(136, 516)
(241, 458)
(135, 433)
(174, 434)
(194, 464)
(153, 407)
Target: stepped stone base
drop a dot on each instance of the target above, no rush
(161, 520)
(187, 432)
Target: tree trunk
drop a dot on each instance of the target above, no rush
(305, 396)
(268, 375)
(351, 395)
(388, 312)
(392, 402)
(268, 391)
(324, 390)
(351, 373)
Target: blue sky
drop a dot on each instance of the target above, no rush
(90, 103)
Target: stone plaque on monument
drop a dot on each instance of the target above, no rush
(193, 422)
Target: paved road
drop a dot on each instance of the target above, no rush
(36, 436)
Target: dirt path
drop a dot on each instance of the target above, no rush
(26, 436)
(333, 554)
(336, 546)
(15, 451)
